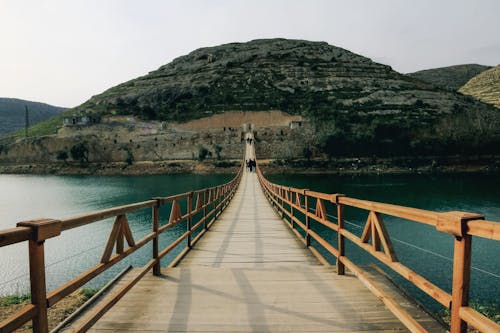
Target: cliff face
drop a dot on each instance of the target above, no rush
(122, 139)
(451, 77)
(485, 86)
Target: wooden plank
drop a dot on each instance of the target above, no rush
(485, 229)
(79, 220)
(14, 235)
(477, 320)
(460, 283)
(383, 236)
(105, 306)
(340, 239)
(156, 219)
(18, 319)
(394, 307)
(425, 285)
(113, 235)
(127, 232)
(38, 288)
(250, 273)
(413, 214)
(56, 295)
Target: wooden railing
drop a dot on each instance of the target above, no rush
(204, 205)
(302, 207)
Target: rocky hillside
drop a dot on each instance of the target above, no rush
(452, 77)
(12, 113)
(358, 107)
(485, 86)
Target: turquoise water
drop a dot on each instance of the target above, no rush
(418, 246)
(27, 197)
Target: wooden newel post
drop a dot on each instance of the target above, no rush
(156, 219)
(340, 237)
(189, 219)
(41, 230)
(455, 223)
(461, 282)
(205, 203)
(308, 222)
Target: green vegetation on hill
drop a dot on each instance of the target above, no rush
(47, 127)
(452, 77)
(12, 114)
(485, 86)
(358, 107)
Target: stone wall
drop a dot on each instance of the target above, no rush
(155, 141)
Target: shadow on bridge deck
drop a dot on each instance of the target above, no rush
(249, 273)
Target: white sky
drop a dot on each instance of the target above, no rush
(63, 52)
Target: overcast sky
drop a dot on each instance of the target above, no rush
(63, 52)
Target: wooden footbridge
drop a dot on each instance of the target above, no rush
(249, 265)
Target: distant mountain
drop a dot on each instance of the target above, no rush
(12, 113)
(452, 77)
(485, 86)
(355, 106)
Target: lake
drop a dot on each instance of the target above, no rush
(418, 246)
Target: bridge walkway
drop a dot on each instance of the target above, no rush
(249, 273)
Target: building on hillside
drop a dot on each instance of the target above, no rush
(86, 120)
(295, 124)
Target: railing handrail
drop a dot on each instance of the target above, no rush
(209, 202)
(474, 227)
(461, 225)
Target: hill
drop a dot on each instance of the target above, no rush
(357, 106)
(12, 113)
(485, 86)
(452, 77)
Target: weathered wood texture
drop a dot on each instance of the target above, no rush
(249, 273)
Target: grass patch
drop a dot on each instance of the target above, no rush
(14, 299)
(13, 303)
(47, 127)
(88, 293)
(490, 310)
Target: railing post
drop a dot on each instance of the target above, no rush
(41, 230)
(205, 203)
(455, 223)
(156, 218)
(290, 197)
(308, 222)
(461, 282)
(189, 219)
(340, 237)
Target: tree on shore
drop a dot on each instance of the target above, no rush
(80, 152)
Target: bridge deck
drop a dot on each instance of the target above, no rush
(249, 274)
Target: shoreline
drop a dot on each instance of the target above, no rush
(341, 166)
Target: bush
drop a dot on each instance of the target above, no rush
(80, 152)
(307, 153)
(14, 299)
(217, 150)
(202, 153)
(130, 156)
(62, 156)
(88, 293)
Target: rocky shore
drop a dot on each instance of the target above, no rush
(399, 165)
